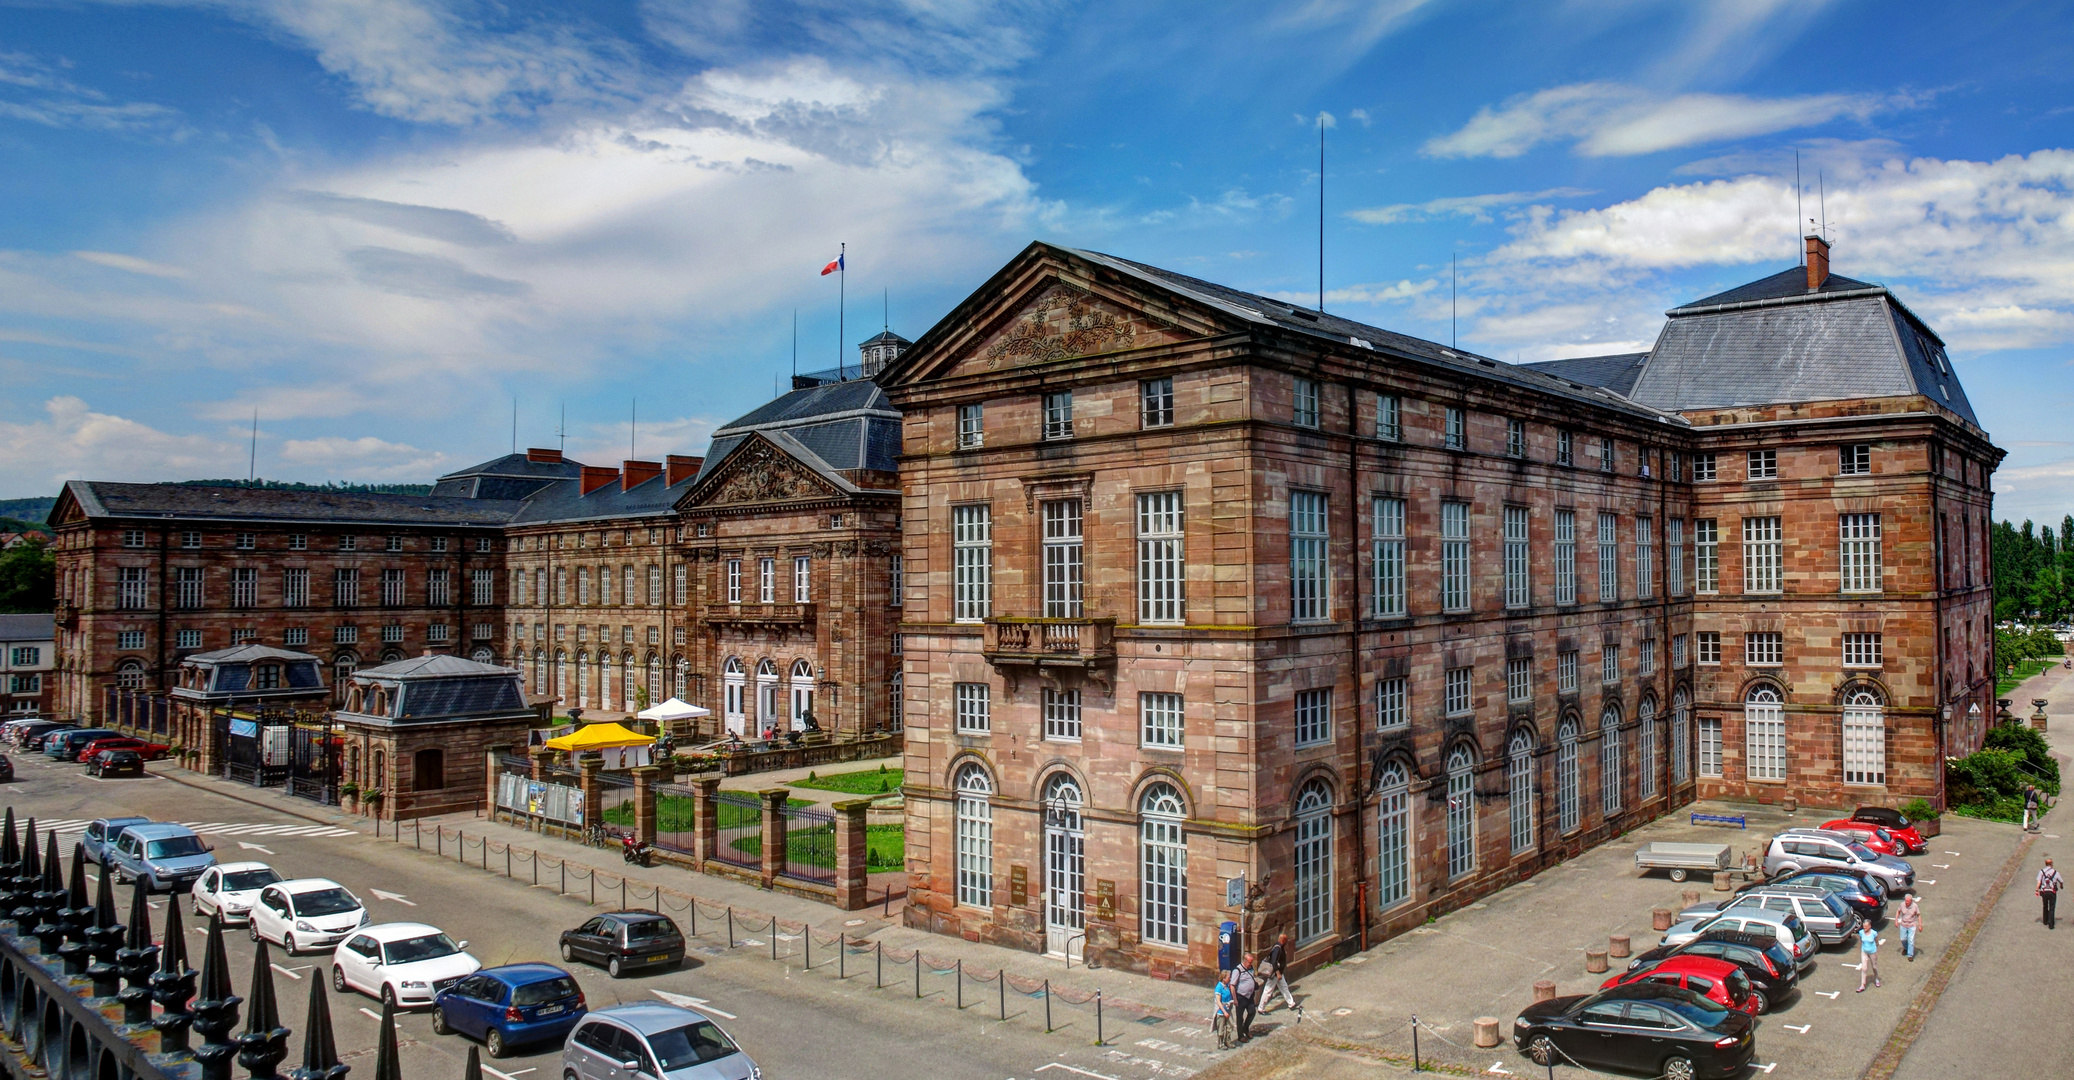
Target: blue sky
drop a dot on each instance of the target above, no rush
(379, 222)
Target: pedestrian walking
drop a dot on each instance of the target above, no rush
(2049, 886)
(1274, 974)
(1910, 920)
(2030, 807)
(1868, 954)
(1245, 994)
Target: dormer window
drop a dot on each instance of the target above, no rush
(266, 677)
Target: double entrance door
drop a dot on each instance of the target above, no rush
(1065, 870)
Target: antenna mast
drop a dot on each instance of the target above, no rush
(1451, 300)
(1798, 216)
(562, 428)
(1321, 212)
(514, 424)
(633, 426)
(252, 464)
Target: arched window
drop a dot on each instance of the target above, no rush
(801, 686)
(1164, 859)
(1865, 739)
(1393, 836)
(130, 675)
(605, 680)
(539, 672)
(1681, 735)
(1065, 865)
(1645, 749)
(975, 838)
(1764, 740)
(342, 668)
(766, 697)
(655, 679)
(628, 692)
(562, 684)
(1519, 789)
(483, 655)
(734, 684)
(681, 674)
(583, 679)
(1611, 780)
(1461, 812)
(380, 779)
(1314, 860)
(1566, 775)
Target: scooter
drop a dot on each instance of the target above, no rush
(633, 850)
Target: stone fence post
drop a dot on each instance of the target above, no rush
(588, 766)
(705, 820)
(852, 855)
(493, 773)
(773, 832)
(645, 777)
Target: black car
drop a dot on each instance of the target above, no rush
(116, 763)
(1646, 1028)
(6, 768)
(1773, 976)
(1862, 893)
(624, 941)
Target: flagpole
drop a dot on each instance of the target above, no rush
(842, 285)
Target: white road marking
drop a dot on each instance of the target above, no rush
(1802, 1028)
(1499, 1069)
(1942, 865)
(1071, 1069)
(686, 1001)
(290, 972)
(1927, 881)
(1768, 1068)
(1951, 853)
(380, 894)
(1830, 994)
(501, 1075)
(254, 847)
(370, 1013)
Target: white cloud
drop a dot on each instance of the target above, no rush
(1380, 292)
(1604, 119)
(365, 459)
(1475, 207)
(1235, 205)
(1350, 26)
(32, 90)
(131, 263)
(72, 441)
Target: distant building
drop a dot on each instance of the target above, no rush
(28, 650)
(417, 733)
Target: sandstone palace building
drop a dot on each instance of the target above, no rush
(1196, 606)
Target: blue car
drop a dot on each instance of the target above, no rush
(510, 1006)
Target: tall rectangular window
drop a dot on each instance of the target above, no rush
(1865, 741)
(734, 581)
(583, 586)
(680, 584)
(802, 574)
(1764, 648)
(187, 587)
(1605, 454)
(1159, 719)
(1762, 570)
(1389, 418)
(1609, 556)
(295, 587)
(1518, 558)
(1304, 410)
(1674, 556)
(1678, 653)
(244, 587)
(483, 588)
(1391, 708)
(1702, 468)
(630, 586)
(1454, 556)
(1645, 557)
(1566, 671)
(1515, 438)
(1609, 662)
(898, 580)
(345, 587)
(1161, 569)
(970, 705)
(1388, 557)
(972, 562)
(1156, 402)
(1645, 656)
(971, 426)
(439, 589)
(766, 581)
(1706, 556)
(1062, 715)
(1313, 717)
(1310, 600)
(1861, 552)
(1058, 415)
(1764, 740)
(1458, 700)
(1855, 459)
(1062, 559)
(1566, 448)
(1708, 643)
(1764, 464)
(1566, 556)
(1862, 650)
(1519, 680)
(1710, 746)
(1457, 432)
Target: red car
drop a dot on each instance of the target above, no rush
(1895, 823)
(145, 750)
(1873, 836)
(1717, 980)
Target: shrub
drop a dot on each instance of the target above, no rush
(2030, 745)
(1918, 809)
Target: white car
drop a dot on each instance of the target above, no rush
(310, 914)
(230, 889)
(404, 964)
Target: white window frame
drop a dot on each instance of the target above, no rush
(1763, 569)
(1565, 556)
(1456, 430)
(1515, 437)
(972, 430)
(1703, 468)
(1763, 465)
(1519, 790)
(1609, 662)
(1310, 583)
(1519, 680)
(897, 579)
(1609, 557)
(767, 580)
(802, 578)
(1706, 557)
(1312, 717)
(1764, 741)
(1460, 694)
(1162, 720)
(1305, 407)
(975, 838)
(972, 707)
(1645, 750)
(1163, 867)
(1764, 648)
(1859, 552)
(1612, 764)
(1058, 414)
(1674, 556)
(1314, 861)
(1393, 836)
(1566, 671)
(1454, 556)
(734, 581)
(1854, 459)
(1156, 403)
(1063, 552)
(1707, 645)
(972, 560)
(1645, 557)
(1567, 783)
(1162, 565)
(1461, 813)
(1061, 715)
(1392, 703)
(1386, 562)
(1864, 732)
(1389, 418)
(1519, 558)
(1862, 650)
(1681, 719)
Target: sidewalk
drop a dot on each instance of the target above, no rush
(1124, 993)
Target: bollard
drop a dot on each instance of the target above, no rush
(694, 916)
(1486, 1032)
(1617, 945)
(1595, 960)
(918, 973)
(1690, 897)
(842, 955)
(1047, 1006)
(807, 932)
(958, 974)
(1001, 984)
(730, 928)
(878, 978)
(1544, 990)
(622, 894)
(1722, 882)
(774, 937)
(1660, 919)
(1098, 1016)
(507, 862)
(1415, 1043)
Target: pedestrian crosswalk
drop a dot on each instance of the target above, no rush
(64, 826)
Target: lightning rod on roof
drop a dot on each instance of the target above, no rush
(1797, 214)
(1321, 212)
(252, 463)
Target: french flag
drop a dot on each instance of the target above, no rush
(832, 267)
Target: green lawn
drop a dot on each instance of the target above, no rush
(879, 781)
(885, 846)
(673, 813)
(2024, 670)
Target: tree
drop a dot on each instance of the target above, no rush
(28, 578)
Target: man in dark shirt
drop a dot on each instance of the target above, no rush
(1274, 974)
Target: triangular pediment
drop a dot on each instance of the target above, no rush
(1063, 322)
(758, 470)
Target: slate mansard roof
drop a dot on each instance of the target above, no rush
(105, 499)
(513, 476)
(28, 628)
(834, 428)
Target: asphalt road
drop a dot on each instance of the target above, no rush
(793, 1022)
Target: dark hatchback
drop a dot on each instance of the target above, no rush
(109, 763)
(6, 768)
(510, 1006)
(1862, 893)
(1644, 1028)
(623, 941)
(1770, 967)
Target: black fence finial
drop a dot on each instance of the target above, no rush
(76, 917)
(474, 1069)
(27, 876)
(215, 1007)
(386, 1064)
(104, 939)
(319, 1049)
(265, 1041)
(174, 983)
(138, 956)
(50, 898)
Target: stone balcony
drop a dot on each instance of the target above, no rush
(777, 616)
(1086, 644)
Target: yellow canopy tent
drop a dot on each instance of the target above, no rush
(599, 737)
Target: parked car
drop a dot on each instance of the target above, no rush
(231, 889)
(161, 856)
(65, 745)
(405, 964)
(19, 732)
(6, 769)
(109, 763)
(149, 751)
(623, 941)
(101, 834)
(307, 913)
(1786, 928)
(1862, 893)
(1876, 837)
(662, 1041)
(512, 1005)
(1799, 849)
(1718, 981)
(1773, 975)
(1896, 822)
(40, 739)
(1825, 916)
(1647, 1028)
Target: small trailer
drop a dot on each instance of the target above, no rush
(1682, 859)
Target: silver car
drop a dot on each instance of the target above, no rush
(1802, 849)
(1824, 915)
(655, 1042)
(1788, 929)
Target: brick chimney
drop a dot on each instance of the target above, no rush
(635, 473)
(680, 468)
(1818, 262)
(543, 455)
(597, 476)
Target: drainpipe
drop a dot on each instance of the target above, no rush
(1354, 656)
(1937, 716)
